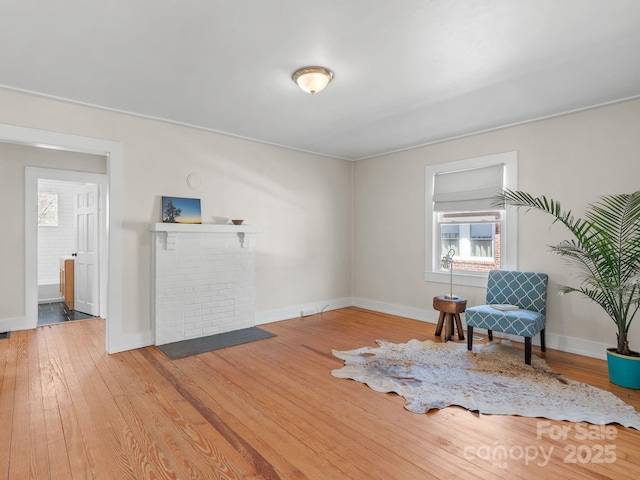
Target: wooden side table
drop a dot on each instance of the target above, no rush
(450, 310)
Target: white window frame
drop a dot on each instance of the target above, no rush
(509, 231)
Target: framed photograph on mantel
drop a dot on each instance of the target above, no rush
(181, 210)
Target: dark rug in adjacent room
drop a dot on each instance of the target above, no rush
(195, 346)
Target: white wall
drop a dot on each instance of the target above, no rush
(573, 158)
(301, 202)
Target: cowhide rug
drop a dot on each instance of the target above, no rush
(493, 379)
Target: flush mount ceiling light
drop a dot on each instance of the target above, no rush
(312, 79)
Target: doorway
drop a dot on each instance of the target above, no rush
(89, 293)
(117, 338)
(69, 238)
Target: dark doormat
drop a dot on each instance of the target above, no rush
(195, 346)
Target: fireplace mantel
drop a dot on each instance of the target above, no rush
(171, 230)
(203, 228)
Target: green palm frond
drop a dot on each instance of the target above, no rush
(605, 248)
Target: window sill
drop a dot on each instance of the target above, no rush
(467, 279)
(478, 260)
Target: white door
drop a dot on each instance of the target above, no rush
(87, 291)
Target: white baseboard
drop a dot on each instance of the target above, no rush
(424, 315)
(132, 342)
(576, 346)
(15, 323)
(49, 300)
(557, 342)
(305, 309)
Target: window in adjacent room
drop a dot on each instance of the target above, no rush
(460, 215)
(47, 209)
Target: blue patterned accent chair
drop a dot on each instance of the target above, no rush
(525, 290)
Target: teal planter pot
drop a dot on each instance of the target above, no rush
(624, 370)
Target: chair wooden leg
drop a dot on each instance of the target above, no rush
(490, 334)
(440, 323)
(543, 346)
(469, 337)
(527, 350)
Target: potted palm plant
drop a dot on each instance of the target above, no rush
(606, 250)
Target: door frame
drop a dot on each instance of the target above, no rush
(32, 175)
(115, 341)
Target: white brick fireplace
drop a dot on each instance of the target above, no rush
(203, 280)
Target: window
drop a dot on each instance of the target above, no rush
(473, 236)
(482, 240)
(47, 209)
(460, 215)
(449, 238)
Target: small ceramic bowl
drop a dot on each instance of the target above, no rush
(237, 222)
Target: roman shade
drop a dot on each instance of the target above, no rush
(467, 190)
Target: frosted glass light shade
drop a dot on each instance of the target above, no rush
(312, 79)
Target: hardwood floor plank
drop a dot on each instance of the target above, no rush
(211, 410)
(201, 447)
(269, 410)
(19, 466)
(95, 409)
(389, 419)
(251, 420)
(140, 402)
(8, 400)
(530, 429)
(122, 385)
(57, 453)
(37, 447)
(318, 422)
(60, 372)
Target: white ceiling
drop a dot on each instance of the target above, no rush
(407, 72)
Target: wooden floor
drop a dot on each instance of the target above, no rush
(270, 409)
